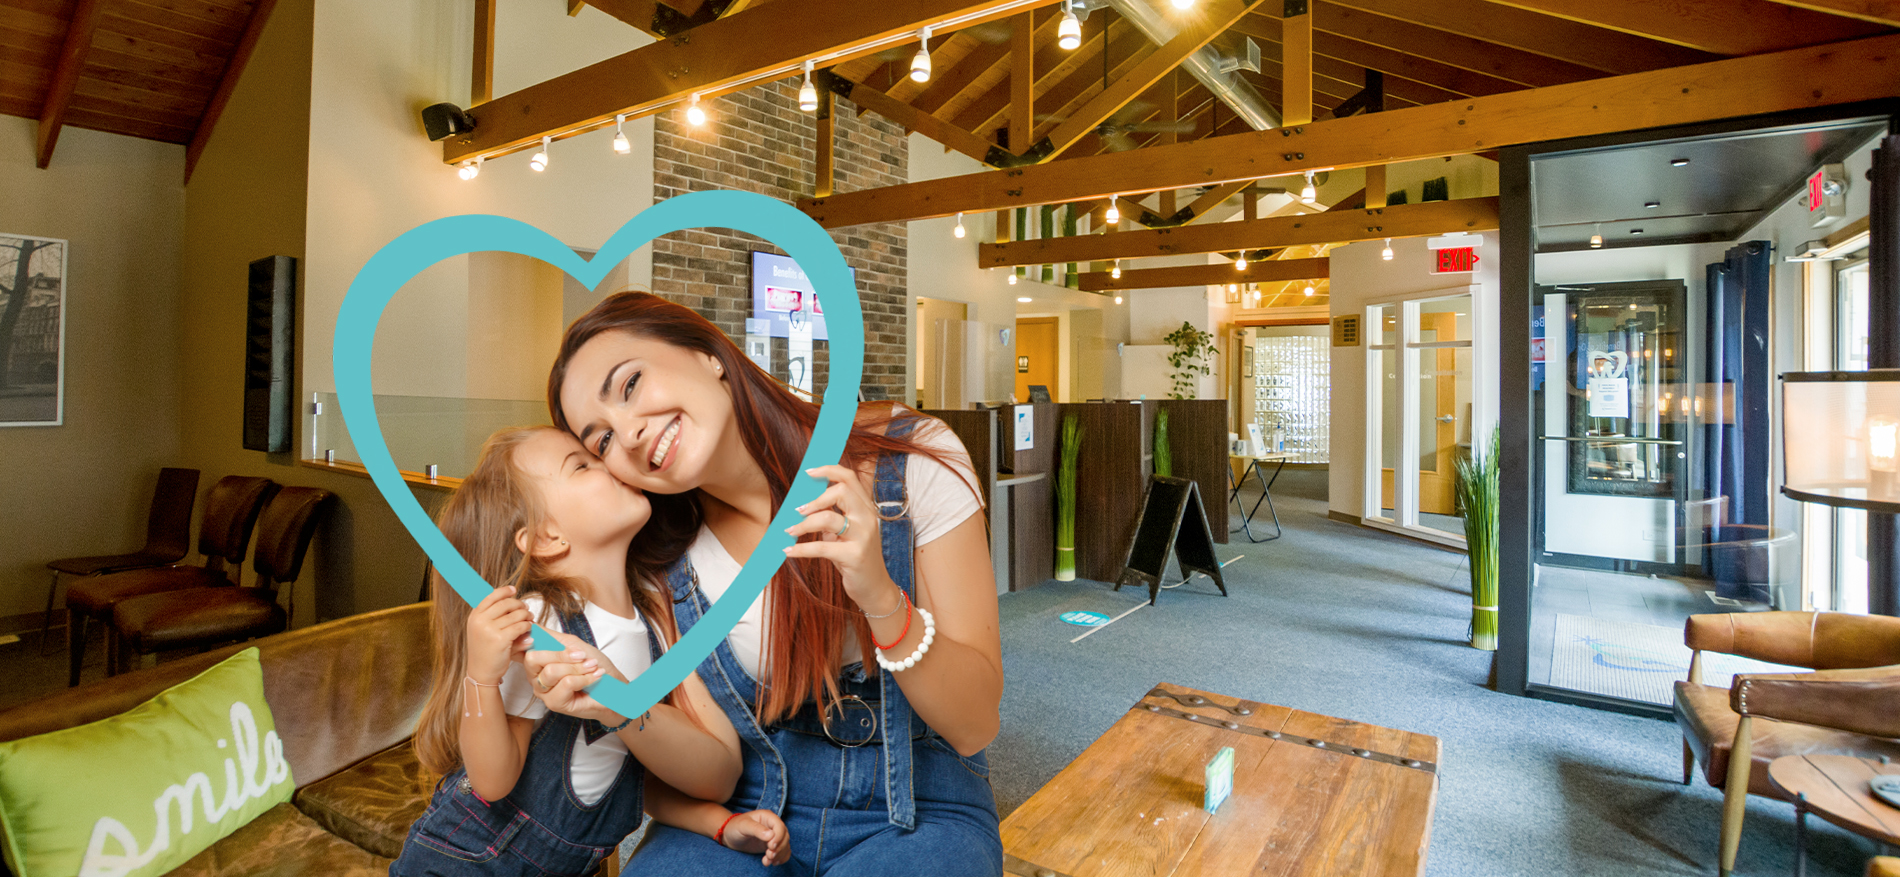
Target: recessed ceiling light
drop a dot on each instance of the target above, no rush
(1636, 231)
(1652, 205)
(1024, 299)
(1678, 162)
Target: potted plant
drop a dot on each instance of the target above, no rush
(1478, 493)
(1065, 498)
(1192, 348)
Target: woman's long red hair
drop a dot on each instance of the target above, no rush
(809, 610)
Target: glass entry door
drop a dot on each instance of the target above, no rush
(1419, 414)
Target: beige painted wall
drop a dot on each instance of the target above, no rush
(83, 487)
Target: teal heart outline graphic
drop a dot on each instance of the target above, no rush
(423, 246)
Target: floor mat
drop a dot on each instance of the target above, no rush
(1636, 661)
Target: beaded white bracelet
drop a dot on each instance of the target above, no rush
(930, 633)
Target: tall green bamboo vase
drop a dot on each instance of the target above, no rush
(1065, 498)
(1478, 493)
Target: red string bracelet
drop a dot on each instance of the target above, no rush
(900, 637)
(719, 837)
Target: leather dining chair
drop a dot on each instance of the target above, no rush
(224, 538)
(167, 538)
(212, 616)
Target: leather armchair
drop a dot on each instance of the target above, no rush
(1850, 707)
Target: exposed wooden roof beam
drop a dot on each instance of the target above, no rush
(771, 39)
(1205, 275)
(1053, 85)
(227, 84)
(1274, 232)
(1885, 12)
(1725, 27)
(923, 123)
(72, 59)
(637, 13)
(1587, 45)
(481, 68)
(1208, 24)
(947, 84)
(1457, 50)
(1841, 73)
(1357, 54)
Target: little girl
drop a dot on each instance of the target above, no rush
(526, 790)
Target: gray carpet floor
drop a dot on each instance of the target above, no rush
(1349, 622)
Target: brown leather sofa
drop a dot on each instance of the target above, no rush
(1851, 706)
(345, 696)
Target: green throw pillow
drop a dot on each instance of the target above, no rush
(141, 792)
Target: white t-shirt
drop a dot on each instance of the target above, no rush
(624, 641)
(939, 501)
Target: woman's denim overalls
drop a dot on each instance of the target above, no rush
(541, 827)
(851, 804)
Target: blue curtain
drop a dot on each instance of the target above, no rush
(1734, 461)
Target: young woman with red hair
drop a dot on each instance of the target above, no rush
(866, 680)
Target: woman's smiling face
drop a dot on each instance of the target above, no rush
(657, 414)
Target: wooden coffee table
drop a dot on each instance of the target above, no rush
(1835, 788)
(1313, 795)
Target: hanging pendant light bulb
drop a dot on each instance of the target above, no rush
(539, 161)
(1118, 299)
(469, 170)
(1113, 216)
(1308, 292)
(1386, 253)
(1596, 240)
(1184, 4)
(1069, 31)
(808, 93)
(620, 135)
(1116, 272)
(695, 115)
(920, 62)
(1240, 262)
(1310, 194)
(959, 229)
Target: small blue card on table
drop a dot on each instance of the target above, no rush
(1220, 778)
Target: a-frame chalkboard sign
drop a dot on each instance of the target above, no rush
(1172, 520)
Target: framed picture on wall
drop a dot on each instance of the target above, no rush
(32, 330)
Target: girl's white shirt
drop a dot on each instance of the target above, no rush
(624, 641)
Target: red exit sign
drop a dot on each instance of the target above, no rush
(1455, 260)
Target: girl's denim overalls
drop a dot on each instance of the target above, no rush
(541, 827)
(852, 803)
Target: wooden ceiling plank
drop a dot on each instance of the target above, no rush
(169, 19)
(723, 52)
(111, 22)
(1331, 227)
(33, 22)
(1885, 12)
(181, 102)
(106, 57)
(1724, 27)
(130, 127)
(1205, 275)
(199, 91)
(1356, 54)
(637, 14)
(1587, 45)
(224, 15)
(1212, 20)
(160, 53)
(240, 56)
(1457, 50)
(1354, 76)
(110, 105)
(1840, 73)
(59, 90)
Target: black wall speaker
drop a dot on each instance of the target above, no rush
(269, 328)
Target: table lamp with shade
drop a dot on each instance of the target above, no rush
(1841, 438)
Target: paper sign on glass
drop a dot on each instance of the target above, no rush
(1609, 397)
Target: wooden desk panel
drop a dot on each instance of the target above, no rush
(1131, 802)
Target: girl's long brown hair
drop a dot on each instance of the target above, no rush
(809, 610)
(480, 519)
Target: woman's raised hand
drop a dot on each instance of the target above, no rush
(497, 633)
(845, 517)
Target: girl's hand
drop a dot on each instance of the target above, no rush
(497, 633)
(558, 678)
(760, 832)
(858, 552)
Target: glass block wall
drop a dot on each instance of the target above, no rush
(1292, 389)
